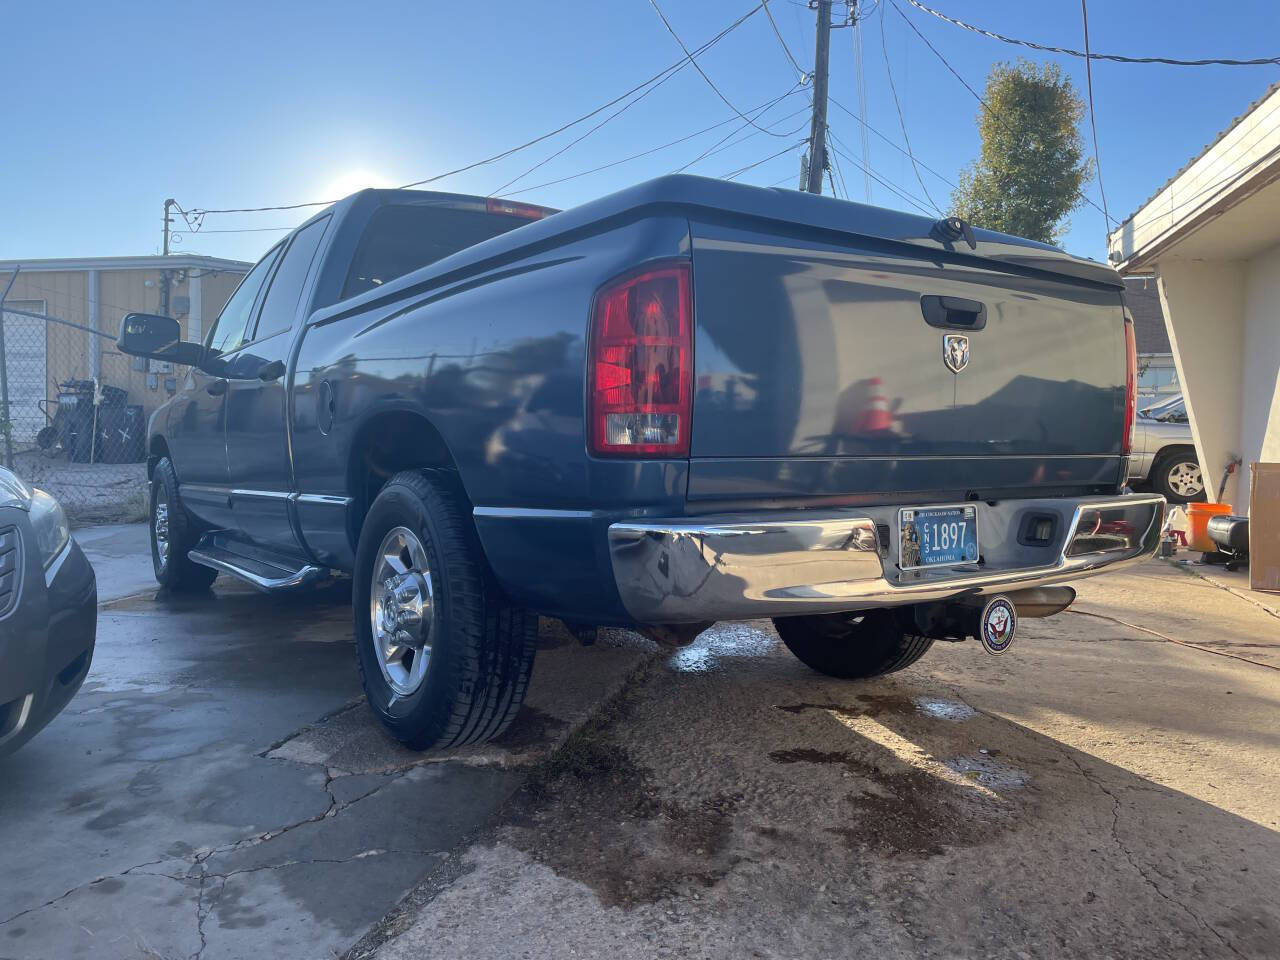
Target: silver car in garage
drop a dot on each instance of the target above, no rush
(1164, 453)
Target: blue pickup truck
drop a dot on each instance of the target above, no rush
(685, 402)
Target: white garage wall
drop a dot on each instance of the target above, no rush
(1260, 395)
(1204, 311)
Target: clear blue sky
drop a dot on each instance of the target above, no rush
(114, 107)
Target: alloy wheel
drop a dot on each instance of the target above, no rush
(402, 610)
(160, 526)
(1184, 479)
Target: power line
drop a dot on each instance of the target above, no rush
(573, 143)
(887, 184)
(1093, 125)
(661, 74)
(835, 165)
(896, 146)
(832, 180)
(697, 66)
(900, 191)
(1087, 55)
(751, 166)
(239, 230)
(716, 147)
(804, 74)
(902, 121)
(860, 80)
(657, 149)
(625, 107)
(201, 211)
(977, 96)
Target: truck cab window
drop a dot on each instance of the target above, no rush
(400, 238)
(228, 330)
(281, 302)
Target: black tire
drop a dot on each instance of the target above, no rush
(1163, 471)
(852, 646)
(482, 648)
(176, 572)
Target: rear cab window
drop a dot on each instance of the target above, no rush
(403, 237)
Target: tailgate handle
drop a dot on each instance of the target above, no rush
(953, 313)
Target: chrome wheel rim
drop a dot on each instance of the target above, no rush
(1185, 480)
(160, 526)
(402, 610)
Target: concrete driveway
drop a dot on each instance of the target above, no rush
(218, 788)
(1107, 789)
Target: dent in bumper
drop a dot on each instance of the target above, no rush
(742, 567)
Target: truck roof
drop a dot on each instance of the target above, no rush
(690, 194)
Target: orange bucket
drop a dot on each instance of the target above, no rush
(1198, 515)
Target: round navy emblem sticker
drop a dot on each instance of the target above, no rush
(997, 625)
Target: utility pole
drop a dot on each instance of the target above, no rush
(164, 274)
(818, 126)
(168, 220)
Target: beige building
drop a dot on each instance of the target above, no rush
(54, 305)
(1211, 238)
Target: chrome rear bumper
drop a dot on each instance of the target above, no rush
(767, 565)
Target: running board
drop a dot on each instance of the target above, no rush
(268, 571)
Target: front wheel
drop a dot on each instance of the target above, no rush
(852, 646)
(172, 534)
(444, 660)
(1177, 477)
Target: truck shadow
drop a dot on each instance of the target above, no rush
(906, 805)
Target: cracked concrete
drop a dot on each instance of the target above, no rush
(1081, 796)
(218, 788)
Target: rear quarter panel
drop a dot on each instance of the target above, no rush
(495, 361)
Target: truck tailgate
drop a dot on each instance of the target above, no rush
(817, 373)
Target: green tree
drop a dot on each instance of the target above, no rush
(1031, 171)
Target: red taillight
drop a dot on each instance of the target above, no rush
(640, 366)
(529, 211)
(1130, 387)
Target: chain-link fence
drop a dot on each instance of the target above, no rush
(72, 421)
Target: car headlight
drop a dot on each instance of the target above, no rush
(49, 524)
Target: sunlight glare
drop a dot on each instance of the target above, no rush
(352, 181)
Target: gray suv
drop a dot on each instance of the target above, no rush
(1164, 453)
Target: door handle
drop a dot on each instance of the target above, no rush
(271, 371)
(953, 313)
(216, 388)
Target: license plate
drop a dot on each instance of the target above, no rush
(937, 536)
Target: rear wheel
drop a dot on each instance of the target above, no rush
(444, 659)
(852, 646)
(173, 533)
(1177, 476)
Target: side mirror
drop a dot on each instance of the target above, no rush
(159, 338)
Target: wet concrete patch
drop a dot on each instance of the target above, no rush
(875, 705)
(944, 709)
(613, 831)
(719, 646)
(569, 683)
